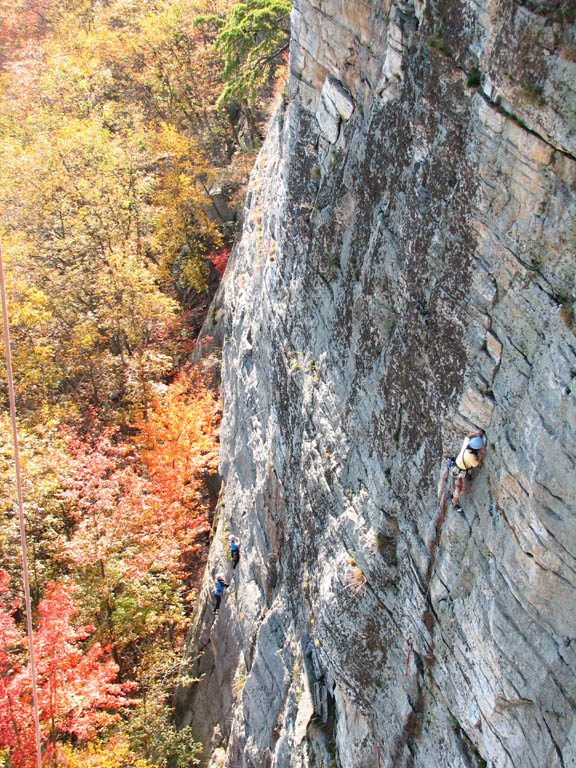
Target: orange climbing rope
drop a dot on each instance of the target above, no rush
(12, 401)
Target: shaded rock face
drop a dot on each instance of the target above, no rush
(405, 276)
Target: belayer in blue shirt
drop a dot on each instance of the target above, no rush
(220, 587)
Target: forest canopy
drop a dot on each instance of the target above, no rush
(127, 132)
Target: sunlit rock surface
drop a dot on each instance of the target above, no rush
(405, 274)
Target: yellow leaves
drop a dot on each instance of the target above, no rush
(182, 198)
(186, 172)
(115, 753)
(175, 144)
(104, 192)
(30, 306)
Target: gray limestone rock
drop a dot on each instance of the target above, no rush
(405, 275)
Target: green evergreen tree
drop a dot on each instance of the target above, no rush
(251, 40)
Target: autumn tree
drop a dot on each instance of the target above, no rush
(105, 219)
(183, 228)
(163, 62)
(44, 520)
(179, 446)
(138, 512)
(81, 228)
(77, 694)
(23, 20)
(113, 753)
(116, 539)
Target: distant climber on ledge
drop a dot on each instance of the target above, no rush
(219, 591)
(458, 469)
(234, 550)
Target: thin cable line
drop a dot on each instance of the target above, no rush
(26, 580)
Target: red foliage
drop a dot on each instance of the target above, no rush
(76, 692)
(114, 507)
(179, 334)
(220, 259)
(137, 510)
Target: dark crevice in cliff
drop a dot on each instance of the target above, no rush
(511, 116)
(555, 744)
(474, 77)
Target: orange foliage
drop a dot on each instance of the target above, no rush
(131, 510)
(179, 438)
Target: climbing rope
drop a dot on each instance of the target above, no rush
(410, 644)
(12, 401)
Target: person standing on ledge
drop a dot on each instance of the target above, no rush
(219, 591)
(234, 550)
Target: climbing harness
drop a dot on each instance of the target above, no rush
(27, 601)
(459, 487)
(452, 486)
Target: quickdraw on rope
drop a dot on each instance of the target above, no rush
(12, 401)
(408, 659)
(378, 753)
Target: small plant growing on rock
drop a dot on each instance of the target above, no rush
(296, 673)
(474, 79)
(356, 577)
(437, 43)
(533, 95)
(239, 681)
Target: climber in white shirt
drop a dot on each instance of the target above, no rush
(472, 451)
(458, 469)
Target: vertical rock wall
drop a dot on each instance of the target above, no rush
(405, 275)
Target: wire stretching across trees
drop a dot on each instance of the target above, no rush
(12, 401)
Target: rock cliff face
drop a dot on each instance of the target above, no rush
(405, 275)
